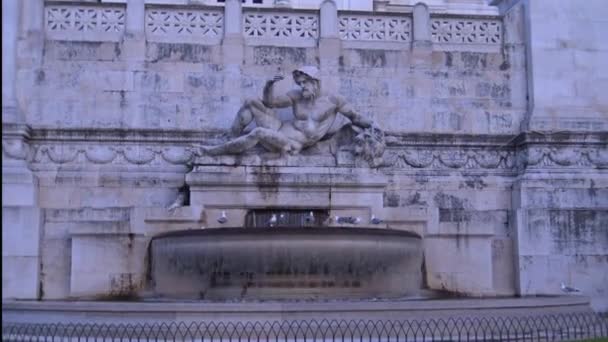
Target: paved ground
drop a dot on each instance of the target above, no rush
(171, 311)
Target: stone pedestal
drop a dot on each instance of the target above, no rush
(560, 233)
(21, 217)
(234, 190)
(559, 218)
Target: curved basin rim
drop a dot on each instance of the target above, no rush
(290, 231)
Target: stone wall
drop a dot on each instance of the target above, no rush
(177, 81)
(567, 38)
(108, 108)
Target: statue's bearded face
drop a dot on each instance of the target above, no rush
(309, 86)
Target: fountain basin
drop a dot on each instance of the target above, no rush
(286, 263)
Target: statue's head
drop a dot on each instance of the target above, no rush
(307, 78)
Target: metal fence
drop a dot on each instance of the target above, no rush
(562, 327)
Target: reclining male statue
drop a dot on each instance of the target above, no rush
(314, 114)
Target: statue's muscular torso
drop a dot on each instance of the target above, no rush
(313, 117)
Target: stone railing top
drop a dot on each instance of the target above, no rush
(204, 24)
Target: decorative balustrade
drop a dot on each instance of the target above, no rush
(289, 28)
(192, 25)
(375, 28)
(264, 26)
(466, 31)
(82, 22)
(247, 3)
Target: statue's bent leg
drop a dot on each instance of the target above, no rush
(254, 110)
(234, 146)
(269, 138)
(277, 141)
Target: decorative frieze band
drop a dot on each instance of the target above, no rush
(375, 28)
(84, 22)
(456, 158)
(394, 158)
(290, 28)
(432, 152)
(112, 154)
(466, 31)
(540, 157)
(196, 26)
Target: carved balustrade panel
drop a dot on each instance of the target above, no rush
(466, 31)
(466, 34)
(201, 26)
(281, 28)
(381, 28)
(79, 22)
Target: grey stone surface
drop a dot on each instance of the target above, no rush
(117, 312)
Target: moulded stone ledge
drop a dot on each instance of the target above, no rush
(153, 220)
(305, 177)
(180, 214)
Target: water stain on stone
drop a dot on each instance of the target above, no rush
(592, 189)
(40, 76)
(117, 51)
(391, 200)
(450, 202)
(270, 55)
(473, 182)
(454, 215)
(372, 58)
(178, 52)
(123, 100)
(449, 59)
(474, 60)
(415, 199)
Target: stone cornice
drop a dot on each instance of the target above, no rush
(49, 148)
(16, 131)
(124, 135)
(394, 139)
(561, 138)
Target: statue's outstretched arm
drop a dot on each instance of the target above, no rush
(272, 101)
(357, 119)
